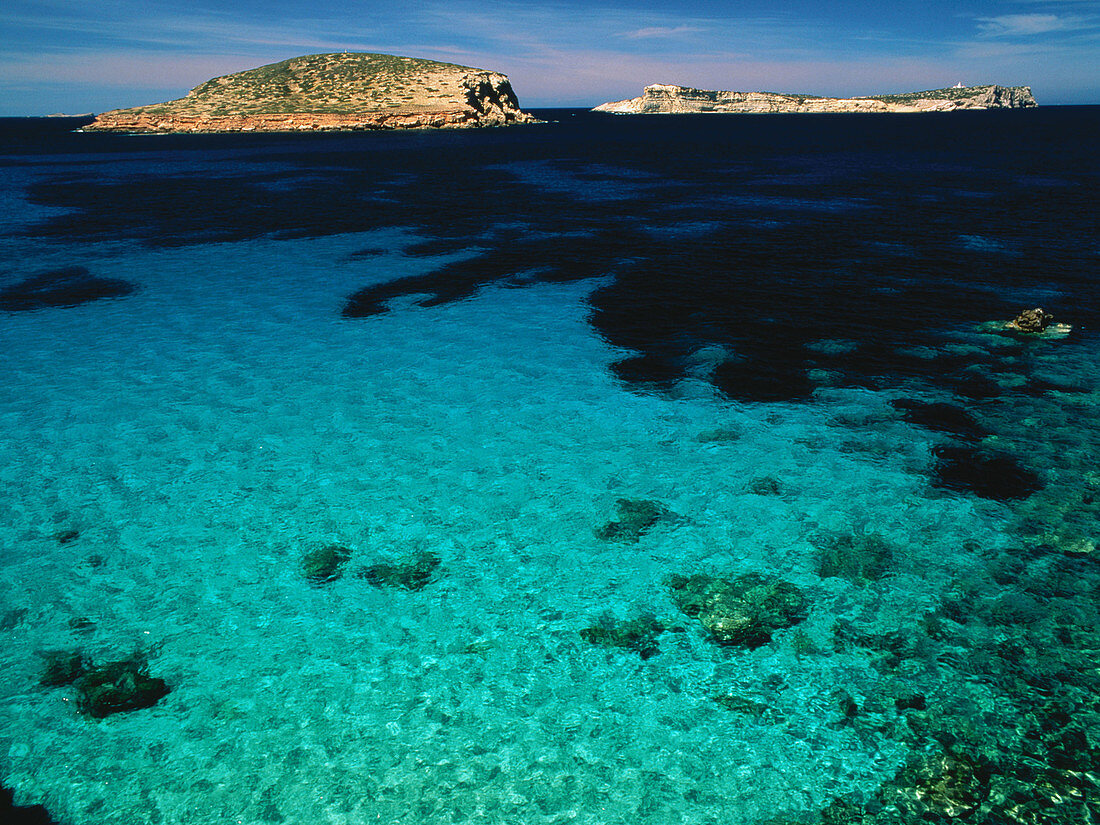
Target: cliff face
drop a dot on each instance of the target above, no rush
(332, 92)
(665, 99)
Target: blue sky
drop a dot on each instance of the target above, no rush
(88, 55)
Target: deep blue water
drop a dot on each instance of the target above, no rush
(786, 333)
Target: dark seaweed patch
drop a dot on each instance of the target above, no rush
(941, 418)
(774, 262)
(68, 287)
(984, 473)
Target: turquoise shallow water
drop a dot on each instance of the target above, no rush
(171, 455)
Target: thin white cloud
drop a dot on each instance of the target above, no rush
(661, 31)
(1028, 25)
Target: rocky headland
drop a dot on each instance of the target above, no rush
(331, 92)
(665, 99)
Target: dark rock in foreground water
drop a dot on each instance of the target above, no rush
(743, 612)
(984, 473)
(940, 418)
(325, 564)
(412, 573)
(765, 486)
(119, 687)
(68, 287)
(639, 634)
(13, 814)
(636, 516)
(63, 667)
(856, 557)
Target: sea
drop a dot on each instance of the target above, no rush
(612, 470)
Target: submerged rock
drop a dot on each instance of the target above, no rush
(412, 573)
(63, 667)
(719, 435)
(940, 787)
(638, 634)
(743, 612)
(746, 707)
(636, 516)
(984, 473)
(325, 564)
(11, 619)
(67, 536)
(68, 287)
(941, 418)
(119, 687)
(82, 624)
(856, 557)
(765, 486)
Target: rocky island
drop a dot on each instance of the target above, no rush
(328, 92)
(665, 99)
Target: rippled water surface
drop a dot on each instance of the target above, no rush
(672, 469)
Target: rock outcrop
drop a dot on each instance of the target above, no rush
(742, 612)
(666, 99)
(332, 92)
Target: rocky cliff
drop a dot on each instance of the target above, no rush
(332, 92)
(665, 99)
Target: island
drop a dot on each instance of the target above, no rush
(332, 92)
(665, 99)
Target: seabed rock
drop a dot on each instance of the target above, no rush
(636, 516)
(68, 287)
(940, 786)
(638, 634)
(11, 619)
(765, 486)
(745, 706)
(412, 573)
(860, 559)
(63, 667)
(119, 687)
(984, 473)
(325, 564)
(743, 612)
(941, 418)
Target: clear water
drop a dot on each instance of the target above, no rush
(475, 344)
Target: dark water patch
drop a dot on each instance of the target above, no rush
(767, 291)
(940, 417)
(13, 617)
(62, 667)
(439, 246)
(12, 814)
(68, 287)
(975, 386)
(984, 473)
(553, 259)
(368, 252)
